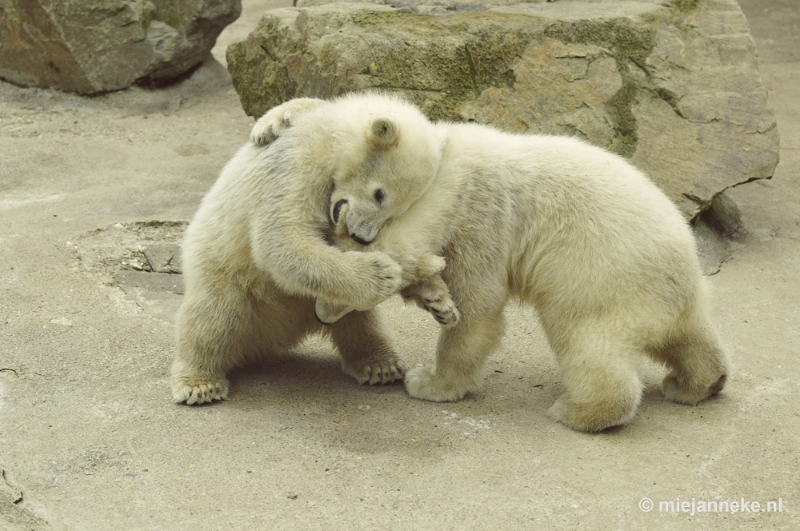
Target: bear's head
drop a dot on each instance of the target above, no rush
(386, 155)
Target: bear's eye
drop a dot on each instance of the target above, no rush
(379, 196)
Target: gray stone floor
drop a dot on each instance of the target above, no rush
(89, 439)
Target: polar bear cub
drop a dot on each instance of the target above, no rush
(604, 256)
(258, 253)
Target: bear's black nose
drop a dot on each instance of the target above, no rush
(338, 208)
(359, 240)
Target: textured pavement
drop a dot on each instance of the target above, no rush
(89, 439)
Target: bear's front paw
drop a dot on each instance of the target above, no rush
(423, 383)
(199, 388)
(376, 371)
(443, 309)
(268, 128)
(384, 279)
(433, 296)
(278, 119)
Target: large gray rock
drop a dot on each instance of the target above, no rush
(673, 85)
(93, 46)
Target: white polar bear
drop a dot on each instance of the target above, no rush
(258, 253)
(428, 291)
(604, 256)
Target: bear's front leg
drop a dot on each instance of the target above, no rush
(367, 352)
(430, 294)
(460, 358)
(422, 282)
(420, 279)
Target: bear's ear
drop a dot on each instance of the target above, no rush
(383, 131)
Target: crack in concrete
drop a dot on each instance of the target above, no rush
(13, 515)
(14, 492)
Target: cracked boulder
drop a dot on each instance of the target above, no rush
(672, 85)
(94, 46)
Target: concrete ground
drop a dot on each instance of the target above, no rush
(89, 439)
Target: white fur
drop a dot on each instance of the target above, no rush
(258, 253)
(601, 252)
(255, 257)
(421, 282)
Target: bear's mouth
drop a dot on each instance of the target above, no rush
(362, 241)
(337, 208)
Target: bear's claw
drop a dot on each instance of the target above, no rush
(278, 119)
(380, 372)
(443, 310)
(198, 389)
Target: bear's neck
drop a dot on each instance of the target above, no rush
(439, 205)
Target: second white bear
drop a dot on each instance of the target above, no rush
(604, 256)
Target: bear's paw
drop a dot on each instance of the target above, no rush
(278, 119)
(443, 310)
(377, 371)
(683, 390)
(199, 388)
(425, 384)
(379, 275)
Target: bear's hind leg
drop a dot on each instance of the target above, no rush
(699, 366)
(212, 335)
(603, 385)
(367, 352)
(197, 386)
